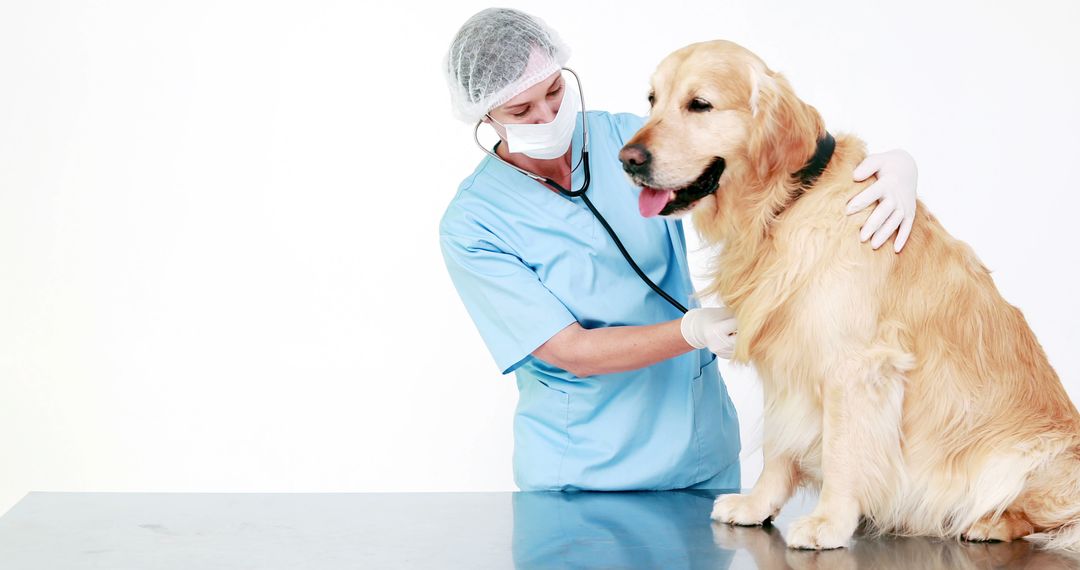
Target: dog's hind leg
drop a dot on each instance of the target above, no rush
(862, 462)
(1012, 524)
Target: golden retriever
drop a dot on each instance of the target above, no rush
(902, 386)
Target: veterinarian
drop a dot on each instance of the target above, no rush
(619, 390)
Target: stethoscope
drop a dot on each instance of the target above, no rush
(583, 161)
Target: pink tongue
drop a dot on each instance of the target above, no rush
(651, 201)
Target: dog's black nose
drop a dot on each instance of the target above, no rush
(635, 159)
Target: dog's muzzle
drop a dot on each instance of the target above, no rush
(665, 201)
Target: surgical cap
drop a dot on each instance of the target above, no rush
(497, 54)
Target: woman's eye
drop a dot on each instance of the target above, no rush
(555, 92)
(522, 113)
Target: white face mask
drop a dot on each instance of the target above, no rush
(546, 141)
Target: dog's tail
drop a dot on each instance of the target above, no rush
(1066, 538)
(1064, 508)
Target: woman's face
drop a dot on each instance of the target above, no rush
(537, 104)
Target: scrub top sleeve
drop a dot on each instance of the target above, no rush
(513, 310)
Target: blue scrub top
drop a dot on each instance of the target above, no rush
(527, 262)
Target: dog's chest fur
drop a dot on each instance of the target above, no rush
(786, 290)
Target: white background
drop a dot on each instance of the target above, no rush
(219, 265)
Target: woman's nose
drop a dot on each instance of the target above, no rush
(547, 114)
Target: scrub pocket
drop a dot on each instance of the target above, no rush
(707, 360)
(716, 432)
(541, 436)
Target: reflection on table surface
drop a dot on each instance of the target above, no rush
(329, 531)
(673, 530)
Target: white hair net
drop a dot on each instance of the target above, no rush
(497, 54)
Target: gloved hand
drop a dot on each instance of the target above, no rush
(712, 327)
(894, 192)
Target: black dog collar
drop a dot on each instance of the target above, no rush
(817, 163)
(809, 174)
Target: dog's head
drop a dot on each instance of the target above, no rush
(717, 113)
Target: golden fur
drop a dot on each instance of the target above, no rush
(902, 385)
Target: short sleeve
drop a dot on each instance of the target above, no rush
(513, 310)
(626, 124)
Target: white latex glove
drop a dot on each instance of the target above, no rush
(711, 327)
(894, 191)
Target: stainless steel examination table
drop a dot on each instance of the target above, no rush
(670, 530)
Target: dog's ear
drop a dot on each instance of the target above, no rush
(784, 130)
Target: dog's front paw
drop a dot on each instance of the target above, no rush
(742, 510)
(817, 532)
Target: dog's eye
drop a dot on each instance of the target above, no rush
(699, 105)
(652, 99)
